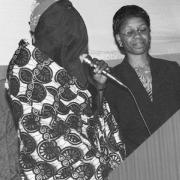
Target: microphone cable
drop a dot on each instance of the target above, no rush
(87, 59)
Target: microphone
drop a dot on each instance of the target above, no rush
(88, 60)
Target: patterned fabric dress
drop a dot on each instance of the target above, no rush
(59, 137)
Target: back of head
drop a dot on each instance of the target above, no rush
(126, 12)
(62, 35)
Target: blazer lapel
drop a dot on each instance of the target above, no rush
(131, 79)
(158, 75)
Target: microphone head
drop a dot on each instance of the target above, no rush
(82, 57)
(85, 58)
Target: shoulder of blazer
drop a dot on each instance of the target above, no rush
(163, 61)
(163, 64)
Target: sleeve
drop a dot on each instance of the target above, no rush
(111, 130)
(112, 134)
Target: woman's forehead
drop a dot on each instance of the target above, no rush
(133, 22)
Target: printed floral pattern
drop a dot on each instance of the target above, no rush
(59, 136)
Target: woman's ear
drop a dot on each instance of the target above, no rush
(118, 39)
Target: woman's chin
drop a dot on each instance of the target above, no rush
(139, 50)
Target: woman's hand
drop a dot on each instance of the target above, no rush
(98, 76)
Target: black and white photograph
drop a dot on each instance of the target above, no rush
(89, 90)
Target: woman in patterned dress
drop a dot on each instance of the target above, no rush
(61, 133)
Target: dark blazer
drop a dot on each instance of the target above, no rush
(166, 100)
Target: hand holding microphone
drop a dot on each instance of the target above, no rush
(100, 68)
(99, 65)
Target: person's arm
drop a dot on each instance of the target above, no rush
(112, 136)
(100, 93)
(100, 81)
(110, 125)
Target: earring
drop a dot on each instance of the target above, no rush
(118, 39)
(120, 44)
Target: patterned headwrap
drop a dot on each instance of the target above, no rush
(39, 6)
(61, 34)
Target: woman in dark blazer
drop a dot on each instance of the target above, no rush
(154, 83)
(166, 100)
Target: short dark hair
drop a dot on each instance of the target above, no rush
(126, 12)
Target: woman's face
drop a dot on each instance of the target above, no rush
(134, 36)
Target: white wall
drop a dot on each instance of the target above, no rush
(165, 18)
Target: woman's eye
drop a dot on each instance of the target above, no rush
(129, 33)
(143, 29)
(133, 32)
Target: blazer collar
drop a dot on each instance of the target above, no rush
(158, 72)
(131, 79)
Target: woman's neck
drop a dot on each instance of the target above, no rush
(138, 60)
